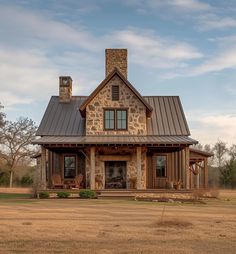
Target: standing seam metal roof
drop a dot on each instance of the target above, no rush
(64, 119)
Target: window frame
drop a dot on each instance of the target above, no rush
(115, 119)
(155, 165)
(69, 155)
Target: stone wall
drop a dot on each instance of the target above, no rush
(131, 167)
(136, 110)
(116, 58)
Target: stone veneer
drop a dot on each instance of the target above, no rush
(65, 90)
(128, 100)
(116, 58)
(131, 167)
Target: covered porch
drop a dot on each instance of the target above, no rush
(123, 163)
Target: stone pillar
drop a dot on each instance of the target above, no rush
(139, 167)
(187, 171)
(43, 167)
(92, 168)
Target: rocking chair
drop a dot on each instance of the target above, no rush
(57, 182)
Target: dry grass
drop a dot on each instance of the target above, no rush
(106, 226)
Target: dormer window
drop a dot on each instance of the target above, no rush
(115, 93)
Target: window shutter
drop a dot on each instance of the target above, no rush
(115, 93)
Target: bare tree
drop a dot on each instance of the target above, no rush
(232, 152)
(16, 143)
(2, 116)
(220, 151)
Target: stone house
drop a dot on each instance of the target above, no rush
(118, 139)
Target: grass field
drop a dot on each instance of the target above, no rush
(116, 226)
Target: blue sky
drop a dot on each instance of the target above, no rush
(175, 47)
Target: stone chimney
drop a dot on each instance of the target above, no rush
(116, 58)
(65, 89)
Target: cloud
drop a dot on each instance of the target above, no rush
(212, 21)
(210, 128)
(223, 60)
(36, 49)
(149, 50)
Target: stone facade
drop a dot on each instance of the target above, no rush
(131, 167)
(128, 100)
(116, 58)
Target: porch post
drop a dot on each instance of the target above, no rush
(198, 175)
(187, 173)
(92, 168)
(205, 173)
(43, 167)
(139, 167)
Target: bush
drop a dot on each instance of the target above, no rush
(26, 181)
(87, 194)
(63, 194)
(43, 194)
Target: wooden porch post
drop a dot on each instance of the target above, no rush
(139, 167)
(43, 167)
(187, 173)
(92, 168)
(205, 173)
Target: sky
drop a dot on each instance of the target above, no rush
(175, 47)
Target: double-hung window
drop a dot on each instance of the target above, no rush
(115, 119)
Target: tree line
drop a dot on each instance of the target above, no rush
(222, 165)
(16, 150)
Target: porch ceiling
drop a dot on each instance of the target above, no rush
(115, 140)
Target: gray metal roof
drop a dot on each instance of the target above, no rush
(64, 119)
(96, 140)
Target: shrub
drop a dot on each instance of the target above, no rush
(87, 194)
(63, 194)
(26, 181)
(43, 194)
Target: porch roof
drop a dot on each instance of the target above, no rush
(119, 140)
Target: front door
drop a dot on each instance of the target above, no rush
(115, 174)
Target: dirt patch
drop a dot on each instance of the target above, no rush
(174, 223)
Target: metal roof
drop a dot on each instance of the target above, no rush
(64, 119)
(96, 140)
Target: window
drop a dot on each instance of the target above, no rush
(121, 119)
(69, 166)
(115, 119)
(109, 119)
(115, 93)
(161, 163)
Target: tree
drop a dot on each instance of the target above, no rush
(220, 150)
(16, 145)
(228, 174)
(232, 152)
(2, 116)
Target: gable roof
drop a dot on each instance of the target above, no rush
(64, 119)
(105, 81)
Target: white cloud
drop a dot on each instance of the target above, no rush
(210, 128)
(192, 5)
(223, 60)
(212, 21)
(147, 49)
(176, 5)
